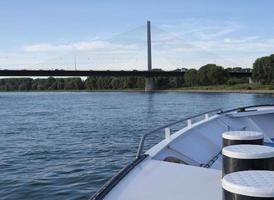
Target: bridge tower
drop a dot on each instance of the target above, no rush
(150, 83)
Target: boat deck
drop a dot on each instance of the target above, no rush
(153, 179)
(199, 145)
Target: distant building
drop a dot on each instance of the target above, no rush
(157, 69)
(181, 69)
(239, 69)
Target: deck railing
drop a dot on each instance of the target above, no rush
(188, 119)
(167, 128)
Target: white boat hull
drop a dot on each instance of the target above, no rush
(195, 162)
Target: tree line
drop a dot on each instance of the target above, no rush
(210, 74)
(263, 70)
(91, 83)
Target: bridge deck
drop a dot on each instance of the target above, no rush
(48, 73)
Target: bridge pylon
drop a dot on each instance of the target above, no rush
(150, 82)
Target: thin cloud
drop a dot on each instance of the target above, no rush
(78, 46)
(241, 40)
(216, 32)
(202, 29)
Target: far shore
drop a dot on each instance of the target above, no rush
(184, 90)
(223, 91)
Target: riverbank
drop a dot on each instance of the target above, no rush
(168, 90)
(238, 88)
(223, 91)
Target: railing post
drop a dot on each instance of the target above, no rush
(167, 133)
(189, 123)
(141, 146)
(206, 116)
(167, 130)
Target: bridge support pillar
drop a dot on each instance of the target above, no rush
(250, 80)
(150, 85)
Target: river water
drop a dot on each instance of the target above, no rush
(65, 145)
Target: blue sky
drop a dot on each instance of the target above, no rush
(111, 34)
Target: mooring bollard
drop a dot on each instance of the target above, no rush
(242, 137)
(249, 185)
(247, 157)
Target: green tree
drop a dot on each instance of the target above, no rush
(73, 84)
(91, 83)
(191, 77)
(25, 84)
(140, 83)
(116, 83)
(212, 74)
(263, 69)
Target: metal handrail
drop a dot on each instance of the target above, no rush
(143, 138)
(245, 107)
(142, 141)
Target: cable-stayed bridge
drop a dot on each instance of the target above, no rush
(148, 74)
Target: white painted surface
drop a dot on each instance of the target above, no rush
(167, 134)
(265, 123)
(250, 183)
(201, 143)
(196, 144)
(162, 146)
(206, 116)
(189, 123)
(246, 151)
(243, 135)
(159, 180)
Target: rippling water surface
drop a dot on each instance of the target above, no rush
(66, 145)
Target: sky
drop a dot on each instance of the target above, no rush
(111, 35)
